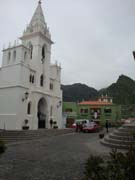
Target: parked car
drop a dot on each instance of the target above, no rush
(80, 121)
(91, 127)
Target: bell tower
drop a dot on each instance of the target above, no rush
(38, 39)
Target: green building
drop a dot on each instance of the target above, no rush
(98, 111)
(70, 109)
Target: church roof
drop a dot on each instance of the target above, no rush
(38, 24)
(38, 17)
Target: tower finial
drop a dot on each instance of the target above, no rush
(39, 2)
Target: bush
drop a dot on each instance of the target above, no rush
(2, 147)
(119, 166)
(55, 127)
(92, 166)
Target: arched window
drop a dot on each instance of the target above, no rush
(41, 80)
(30, 78)
(31, 51)
(14, 55)
(29, 108)
(43, 53)
(33, 79)
(25, 56)
(9, 56)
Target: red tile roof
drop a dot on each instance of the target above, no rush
(95, 103)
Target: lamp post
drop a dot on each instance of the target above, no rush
(26, 95)
(59, 104)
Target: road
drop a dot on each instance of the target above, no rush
(53, 158)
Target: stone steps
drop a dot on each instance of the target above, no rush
(15, 136)
(111, 145)
(121, 138)
(117, 141)
(113, 136)
(119, 133)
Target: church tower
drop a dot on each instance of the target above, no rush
(30, 86)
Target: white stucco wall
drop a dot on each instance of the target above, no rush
(15, 80)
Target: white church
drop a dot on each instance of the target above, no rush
(30, 86)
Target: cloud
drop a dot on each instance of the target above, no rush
(94, 40)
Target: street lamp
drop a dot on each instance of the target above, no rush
(59, 104)
(26, 95)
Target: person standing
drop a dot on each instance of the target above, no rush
(51, 123)
(77, 127)
(107, 126)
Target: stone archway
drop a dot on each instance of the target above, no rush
(41, 113)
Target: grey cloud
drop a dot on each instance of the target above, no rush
(94, 38)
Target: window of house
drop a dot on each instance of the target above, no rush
(68, 110)
(29, 108)
(14, 55)
(83, 111)
(107, 110)
(41, 80)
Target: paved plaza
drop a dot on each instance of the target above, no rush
(52, 158)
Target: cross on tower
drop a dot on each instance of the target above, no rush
(39, 2)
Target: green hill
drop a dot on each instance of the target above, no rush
(78, 92)
(123, 91)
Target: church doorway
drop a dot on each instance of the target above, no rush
(41, 113)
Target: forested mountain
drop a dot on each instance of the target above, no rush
(123, 91)
(78, 92)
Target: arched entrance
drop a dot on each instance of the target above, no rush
(41, 113)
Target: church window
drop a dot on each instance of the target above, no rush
(33, 79)
(31, 51)
(9, 56)
(41, 80)
(29, 108)
(30, 78)
(51, 86)
(14, 55)
(25, 55)
(43, 53)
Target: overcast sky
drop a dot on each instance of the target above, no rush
(94, 39)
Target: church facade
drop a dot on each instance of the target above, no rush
(30, 86)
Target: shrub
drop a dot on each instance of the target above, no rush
(55, 127)
(119, 166)
(92, 166)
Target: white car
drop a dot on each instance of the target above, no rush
(80, 121)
